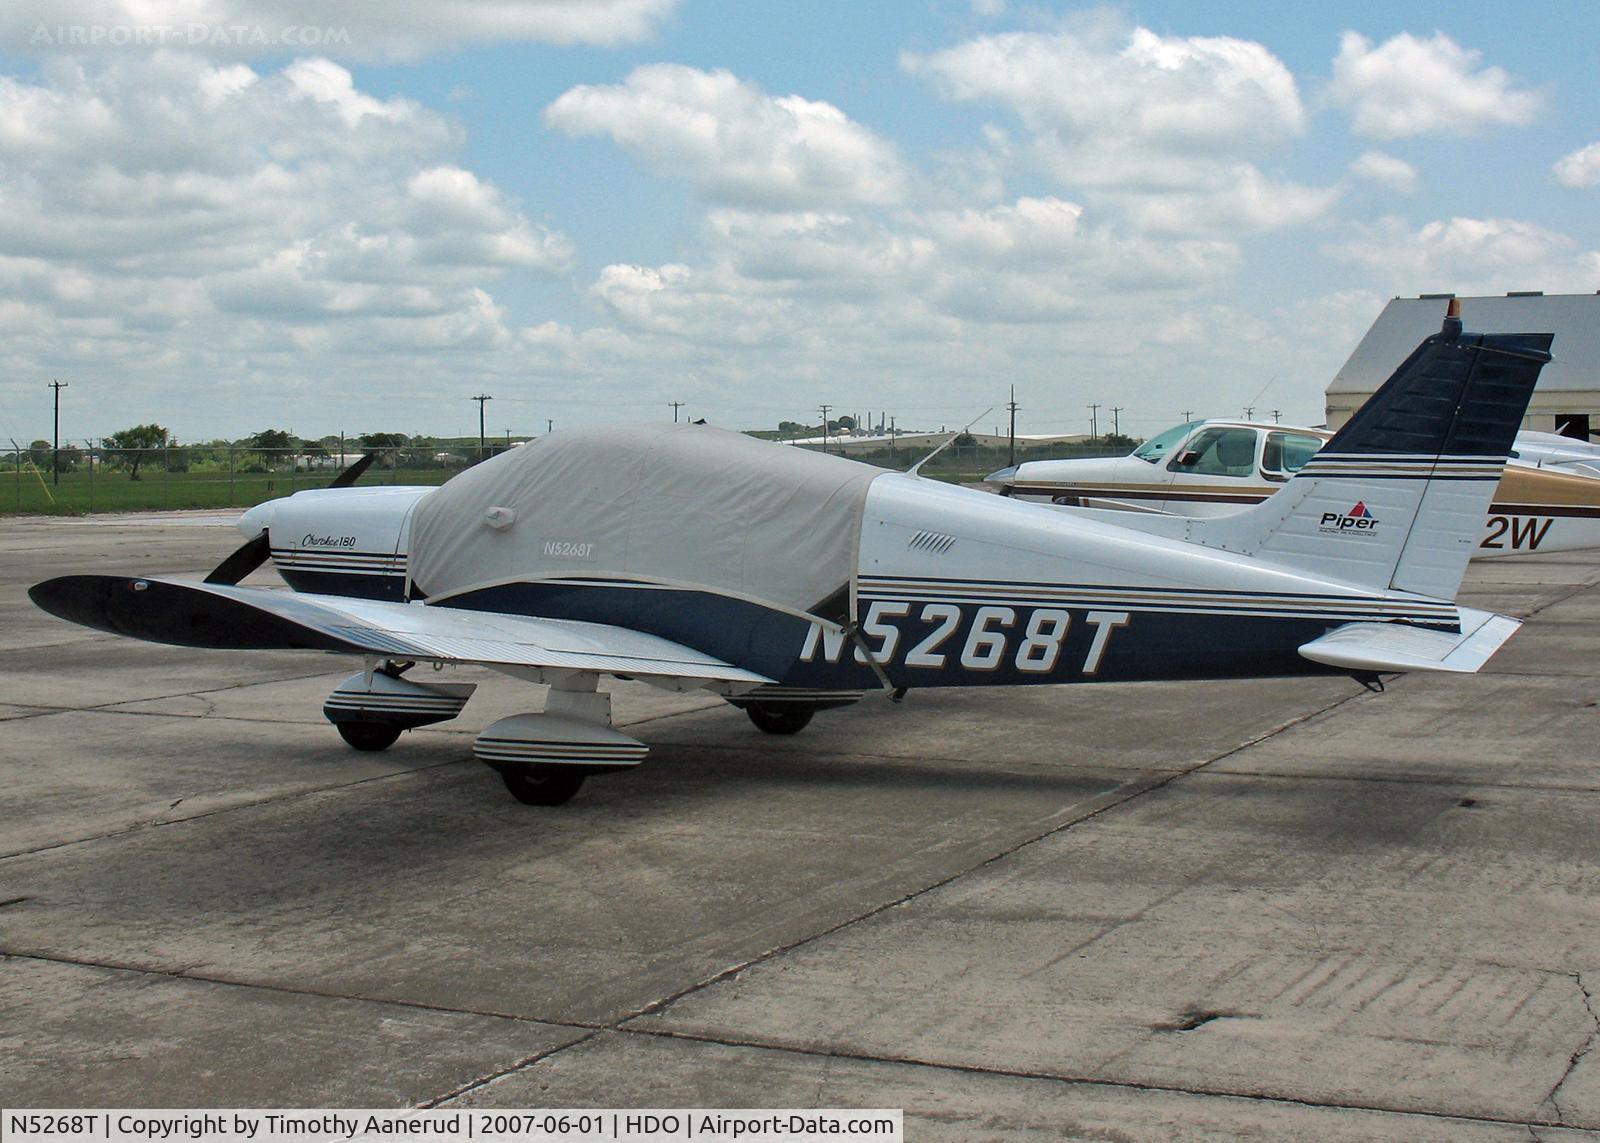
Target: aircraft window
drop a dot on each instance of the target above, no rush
(1158, 446)
(1288, 452)
(1218, 452)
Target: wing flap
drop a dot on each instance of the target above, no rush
(218, 615)
(1398, 647)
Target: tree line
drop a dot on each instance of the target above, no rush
(141, 446)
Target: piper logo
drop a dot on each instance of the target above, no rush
(1357, 520)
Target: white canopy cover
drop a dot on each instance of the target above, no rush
(681, 504)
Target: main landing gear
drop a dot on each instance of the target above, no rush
(779, 718)
(543, 759)
(541, 785)
(788, 710)
(371, 708)
(368, 735)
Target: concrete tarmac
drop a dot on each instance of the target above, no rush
(1273, 910)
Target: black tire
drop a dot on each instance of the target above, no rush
(368, 735)
(542, 785)
(779, 718)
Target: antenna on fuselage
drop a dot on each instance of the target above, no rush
(916, 469)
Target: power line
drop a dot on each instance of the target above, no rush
(481, 398)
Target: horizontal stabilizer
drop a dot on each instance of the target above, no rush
(1397, 647)
(218, 615)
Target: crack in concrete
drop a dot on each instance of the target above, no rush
(1128, 791)
(43, 710)
(589, 1032)
(1200, 1017)
(1095, 1081)
(1406, 780)
(496, 1077)
(188, 974)
(1583, 1050)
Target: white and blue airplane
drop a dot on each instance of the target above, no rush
(789, 581)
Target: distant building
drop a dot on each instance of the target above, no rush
(328, 460)
(1567, 399)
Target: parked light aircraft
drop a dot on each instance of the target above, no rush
(1551, 450)
(789, 581)
(1544, 502)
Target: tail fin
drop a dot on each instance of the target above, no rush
(1397, 499)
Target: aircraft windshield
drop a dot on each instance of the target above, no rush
(1159, 445)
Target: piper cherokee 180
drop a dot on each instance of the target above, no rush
(790, 581)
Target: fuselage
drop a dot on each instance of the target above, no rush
(951, 587)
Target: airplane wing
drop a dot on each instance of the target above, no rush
(219, 615)
(1397, 647)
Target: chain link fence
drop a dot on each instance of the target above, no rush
(100, 478)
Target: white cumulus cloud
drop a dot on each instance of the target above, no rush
(1579, 169)
(200, 221)
(1409, 86)
(1126, 107)
(1385, 170)
(1164, 131)
(1467, 255)
(735, 143)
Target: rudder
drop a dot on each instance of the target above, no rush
(1397, 499)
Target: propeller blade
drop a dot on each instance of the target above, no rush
(352, 474)
(246, 559)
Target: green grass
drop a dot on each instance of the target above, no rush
(109, 490)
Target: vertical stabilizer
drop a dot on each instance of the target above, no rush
(1397, 499)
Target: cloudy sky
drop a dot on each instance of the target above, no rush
(225, 215)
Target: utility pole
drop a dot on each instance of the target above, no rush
(55, 442)
(1188, 415)
(1249, 411)
(1094, 422)
(676, 405)
(1116, 425)
(1276, 413)
(549, 426)
(1011, 405)
(824, 409)
(480, 398)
